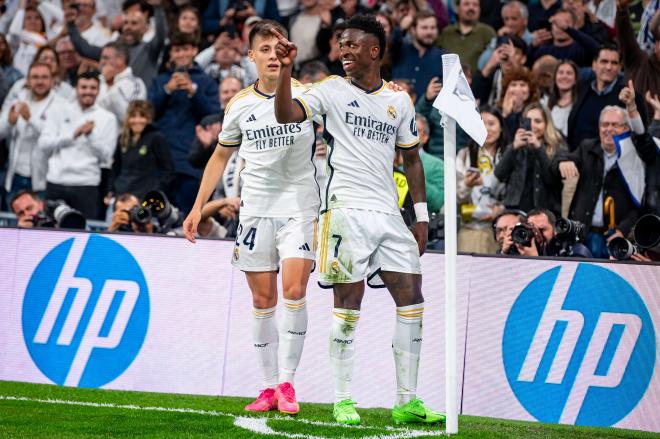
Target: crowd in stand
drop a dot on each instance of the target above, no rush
(104, 101)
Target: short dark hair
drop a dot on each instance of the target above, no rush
(89, 74)
(263, 29)
(522, 217)
(121, 49)
(122, 198)
(368, 24)
(552, 218)
(612, 47)
(178, 39)
(423, 15)
(19, 194)
(145, 7)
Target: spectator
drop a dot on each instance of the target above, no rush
(518, 91)
(228, 89)
(388, 26)
(332, 55)
(142, 160)
(602, 175)
(77, 141)
(312, 71)
(122, 221)
(434, 169)
(189, 21)
(567, 42)
(91, 30)
(420, 60)
(479, 193)
(143, 56)
(545, 222)
(509, 55)
(641, 67)
(10, 74)
(596, 94)
(540, 13)
(206, 138)
(70, 62)
(26, 34)
(467, 37)
(26, 205)
(221, 13)
(542, 74)
(515, 16)
(526, 165)
(304, 27)
(563, 94)
(652, 195)
(22, 120)
(225, 60)
(586, 20)
(503, 225)
(181, 98)
(119, 87)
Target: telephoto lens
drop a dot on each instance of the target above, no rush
(621, 249)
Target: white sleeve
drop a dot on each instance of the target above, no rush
(314, 100)
(103, 139)
(205, 57)
(406, 135)
(231, 134)
(53, 137)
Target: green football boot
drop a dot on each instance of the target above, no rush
(344, 412)
(415, 412)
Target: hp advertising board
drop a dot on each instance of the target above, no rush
(85, 311)
(579, 346)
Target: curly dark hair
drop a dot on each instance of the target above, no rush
(368, 24)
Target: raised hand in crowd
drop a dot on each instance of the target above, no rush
(524, 138)
(541, 37)
(654, 101)
(513, 102)
(208, 135)
(561, 21)
(14, 114)
(433, 89)
(627, 96)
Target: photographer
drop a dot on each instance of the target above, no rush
(123, 219)
(26, 205)
(503, 225)
(560, 241)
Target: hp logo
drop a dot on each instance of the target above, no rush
(85, 312)
(579, 346)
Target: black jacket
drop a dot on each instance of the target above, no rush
(590, 159)
(144, 166)
(512, 170)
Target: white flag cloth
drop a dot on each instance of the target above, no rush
(631, 166)
(606, 12)
(457, 101)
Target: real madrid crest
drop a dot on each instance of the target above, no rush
(236, 254)
(391, 112)
(334, 266)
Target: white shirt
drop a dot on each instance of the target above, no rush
(278, 177)
(96, 35)
(610, 161)
(365, 126)
(78, 162)
(125, 89)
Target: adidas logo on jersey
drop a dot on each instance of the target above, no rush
(251, 118)
(305, 246)
(354, 104)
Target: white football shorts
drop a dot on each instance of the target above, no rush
(355, 243)
(261, 242)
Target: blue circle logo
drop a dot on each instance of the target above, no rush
(85, 312)
(579, 346)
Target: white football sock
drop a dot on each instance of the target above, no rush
(293, 328)
(406, 347)
(265, 338)
(342, 350)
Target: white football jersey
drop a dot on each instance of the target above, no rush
(279, 174)
(364, 127)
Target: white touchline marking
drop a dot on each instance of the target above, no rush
(254, 424)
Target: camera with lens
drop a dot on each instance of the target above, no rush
(60, 215)
(156, 205)
(524, 233)
(567, 234)
(646, 238)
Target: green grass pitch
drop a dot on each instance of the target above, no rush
(45, 411)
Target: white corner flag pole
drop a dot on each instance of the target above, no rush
(451, 245)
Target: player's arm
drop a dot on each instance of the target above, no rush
(417, 189)
(212, 174)
(286, 109)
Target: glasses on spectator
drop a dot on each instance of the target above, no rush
(612, 124)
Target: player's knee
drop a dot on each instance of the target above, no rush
(348, 302)
(264, 301)
(294, 292)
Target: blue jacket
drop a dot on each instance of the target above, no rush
(177, 114)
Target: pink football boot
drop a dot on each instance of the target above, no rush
(285, 396)
(265, 402)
